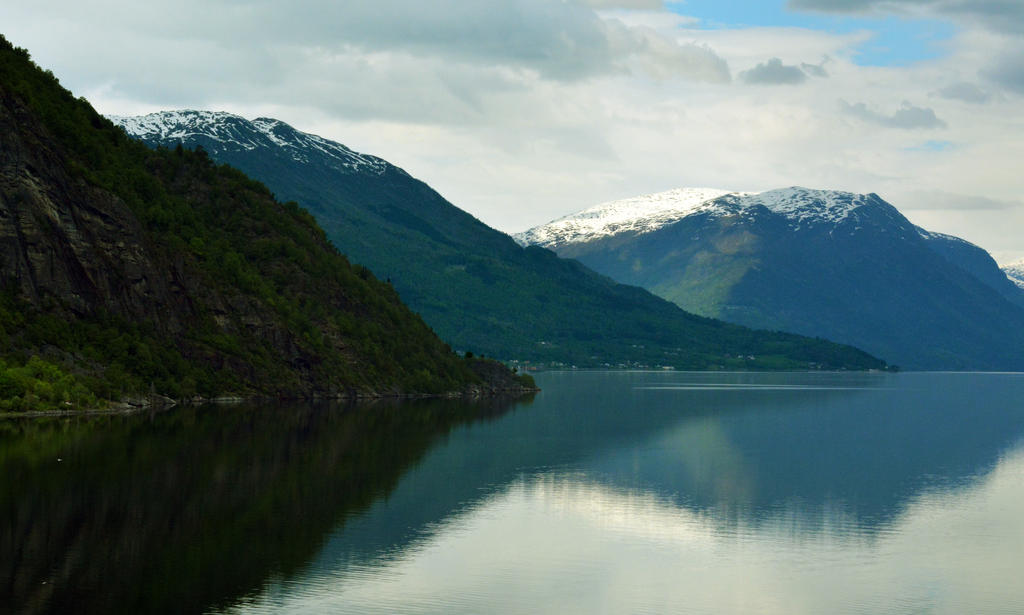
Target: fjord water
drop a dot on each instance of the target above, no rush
(617, 492)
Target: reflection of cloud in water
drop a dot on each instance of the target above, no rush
(562, 543)
(712, 463)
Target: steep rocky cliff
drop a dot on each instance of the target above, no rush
(70, 245)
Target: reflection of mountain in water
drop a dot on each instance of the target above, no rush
(560, 543)
(191, 509)
(753, 452)
(812, 447)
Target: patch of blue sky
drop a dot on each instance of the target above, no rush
(896, 41)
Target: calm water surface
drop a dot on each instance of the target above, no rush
(620, 492)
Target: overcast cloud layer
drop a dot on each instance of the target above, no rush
(521, 111)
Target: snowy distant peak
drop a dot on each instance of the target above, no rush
(283, 135)
(1015, 271)
(806, 205)
(232, 131)
(643, 214)
(177, 124)
(638, 214)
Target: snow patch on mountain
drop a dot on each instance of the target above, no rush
(233, 131)
(180, 125)
(1015, 271)
(639, 215)
(170, 124)
(803, 205)
(643, 214)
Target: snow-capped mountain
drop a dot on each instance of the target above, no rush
(219, 132)
(1015, 272)
(648, 213)
(473, 285)
(839, 265)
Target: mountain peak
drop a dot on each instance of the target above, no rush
(643, 214)
(639, 214)
(172, 124)
(829, 263)
(1015, 271)
(222, 132)
(805, 204)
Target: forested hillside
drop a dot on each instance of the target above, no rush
(127, 270)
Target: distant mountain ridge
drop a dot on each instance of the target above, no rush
(648, 213)
(1015, 273)
(474, 285)
(840, 265)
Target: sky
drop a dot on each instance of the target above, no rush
(522, 111)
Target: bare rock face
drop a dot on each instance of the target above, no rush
(65, 243)
(71, 248)
(68, 246)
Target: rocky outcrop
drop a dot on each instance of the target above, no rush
(79, 250)
(65, 243)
